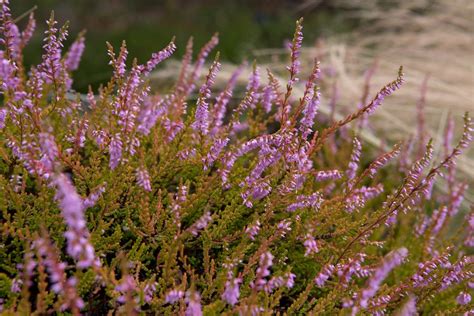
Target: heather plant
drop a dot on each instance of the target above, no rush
(130, 201)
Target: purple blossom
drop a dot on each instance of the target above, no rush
(126, 287)
(172, 128)
(381, 161)
(149, 114)
(201, 120)
(470, 232)
(310, 245)
(3, 117)
(457, 272)
(231, 293)
(8, 79)
(173, 296)
(263, 270)
(115, 151)
(223, 99)
(290, 280)
(390, 261)
(354, 160)
(311, 99)
(409, 308)
(193, 301)
(73, 56)
(258, 191)
(143, 178)
(149, 291)
(463, 298)
(309, 112)
(294, 68)
(157, 58)
(118, 63)
(94, 196)
(100, 137)
(16, 285)
(201, 58)
(313, 200)
(77, 234)
(51, 67)
(360, 196)
(384, 92)
(353, 266)
(56, 270)
(200, 224)
(49, 150)
(284, 227)
(327, 175)
(253, 230)
(27, 33)
(425, 273)
(214, 152)
(268, 96)
(324, 275)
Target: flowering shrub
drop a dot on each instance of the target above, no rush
(135, 202)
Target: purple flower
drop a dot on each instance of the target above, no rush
(94, 196)
(27, 33)
(390, 261)
(56, 270)
(214, 152)
(200, 224)
(3, 117)
(309, 112)
(115, 151)
(457, 272)
(384, 92)
(149, 291)
(310, 245)
(77, 234)
(425, 273)
(314, 201)
(360, 196)
(16, 286)
(290, 280)
(223, 99)
(118, 62)
(253, 230)
(263, 270)
(73, 56)
(353, 266)
(268, 96)
(328, 175)
(143, 178)
(354, 160)
(231, 293)
(157, 58)
(126, 287)
(201, 58)
(193, 301)
(463, 298)
(294, 68)
(324, 275)
(51, 68)
(409, 308)
(201, 120)
(173, 296)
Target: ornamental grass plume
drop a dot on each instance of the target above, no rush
(129, 200)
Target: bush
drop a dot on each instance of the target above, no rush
(131, 202)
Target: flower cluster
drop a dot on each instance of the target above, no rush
(131, 200)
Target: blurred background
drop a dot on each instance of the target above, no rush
(148, 25)
(353, 38)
